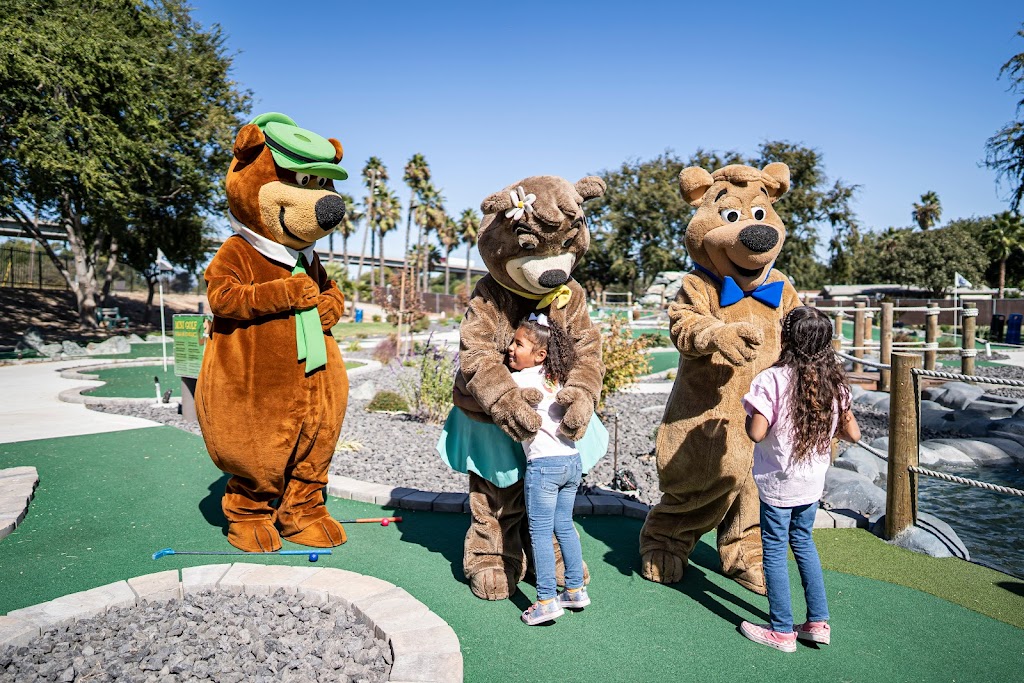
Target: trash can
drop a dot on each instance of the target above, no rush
(1013, 328)
(997, 327)
(359, 315)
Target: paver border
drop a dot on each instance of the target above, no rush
(424, 647)
(17, 488)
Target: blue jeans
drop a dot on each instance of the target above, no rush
(551, 485)
(781, 527)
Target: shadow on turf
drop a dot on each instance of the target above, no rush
(624, 554)
(210, 506)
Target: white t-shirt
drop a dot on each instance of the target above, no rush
(548, 441)
(780, 480)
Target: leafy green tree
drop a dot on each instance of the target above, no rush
(928, 212)
(1002, 237)
(1004, 151)
(929, 260)
(469, 231)
(114, 117)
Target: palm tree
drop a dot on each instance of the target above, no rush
(927, 213)
(374, 174)
(449, 236)
(430, 216)
(1001, 237)
(417, 177)
(347, 227)
(469, 231)
(387, 216)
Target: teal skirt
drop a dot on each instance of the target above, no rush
(467, 445)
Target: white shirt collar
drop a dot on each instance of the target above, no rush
(275, 251)
(536, 370)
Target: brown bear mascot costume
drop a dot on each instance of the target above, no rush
(725, 323)
(532, 237)
(272, 390)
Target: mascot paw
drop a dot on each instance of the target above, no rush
(492, 584)
(738, 342)
(258, 536)
(662, 566)
(514, 414)
(579, 408)
(560, 573)
(752, 580)
(323, 533)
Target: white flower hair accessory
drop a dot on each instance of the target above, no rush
(521, 203)
(539, 318)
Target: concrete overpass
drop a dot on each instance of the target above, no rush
(53, 231)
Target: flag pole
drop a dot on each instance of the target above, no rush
(163, 331)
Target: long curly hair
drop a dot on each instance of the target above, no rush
(555, 340)
(818, 386)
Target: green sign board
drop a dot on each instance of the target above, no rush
(191, 332)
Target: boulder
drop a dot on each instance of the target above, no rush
(862, 461)
(932, 405)
(364, 392)
(995, 407)
(33, 339)
(846, 490)
(959, 395)
(135, 339)
(933, 453)
(933, 393)
(871, 398)
(930, 536)
(980, 451)
(71, 349)
(158, 338)
(112, 345)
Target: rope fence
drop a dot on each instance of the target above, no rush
(966, 482)
(969, 378)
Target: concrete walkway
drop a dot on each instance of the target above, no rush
(30, 408)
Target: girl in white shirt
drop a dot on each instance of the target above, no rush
(540, 357)
(793, 410)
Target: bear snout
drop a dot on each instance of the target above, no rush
(759, 238)
(330, 209)
(553, 278)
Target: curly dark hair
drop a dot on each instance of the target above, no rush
(555, 340)
(818, 386)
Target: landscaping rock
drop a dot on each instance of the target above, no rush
(934, 453)
(846, 490)
(112, 345)
(958, 395)
(980, 451)
(364, 392)
(930, 536)
(862, 461)
(72, 350)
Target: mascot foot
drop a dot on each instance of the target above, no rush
(492, 584)
(752, 580)
(560, 573)
(258, 536)
(323, 533)
(662, 566)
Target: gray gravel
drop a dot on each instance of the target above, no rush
(208, 636)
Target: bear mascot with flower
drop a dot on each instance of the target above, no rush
(532, 236)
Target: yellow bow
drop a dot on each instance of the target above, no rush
(560, 296)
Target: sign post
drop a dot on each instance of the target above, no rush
(191, 332)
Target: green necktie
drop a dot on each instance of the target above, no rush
(309, 336)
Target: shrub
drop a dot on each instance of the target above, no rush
(353, 346)
(376, 318)
(420, 324)
(387, 402)
(904, 337)
(387, 350)
(655, 340)
(429, 387)
(624, 357)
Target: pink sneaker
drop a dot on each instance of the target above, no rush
(814, 631)
(766, 636)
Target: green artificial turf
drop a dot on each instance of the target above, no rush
(362, 330)
(137, 382)
(106, 502)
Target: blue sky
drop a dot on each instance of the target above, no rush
(898, 97)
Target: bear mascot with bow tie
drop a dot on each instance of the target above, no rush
(532, 236)
(726, 324)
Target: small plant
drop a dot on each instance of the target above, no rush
(429, 388)
(624, 357)
(387, 402)
(670, 375)
(420, 324)
(346, 444)
(387, 350)
(353, 346)
(655, 340)
(376, 318)
(904, 337)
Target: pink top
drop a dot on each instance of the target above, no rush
(781, 481)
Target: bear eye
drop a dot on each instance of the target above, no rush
(302, 179)
(758, 213)
(730, 215)
(321, 181)
(566, 243)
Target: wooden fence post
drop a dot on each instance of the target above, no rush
(901, 483)
(869, 319)
(968, 352)
(931, 336)
(837, 335)
(858, 335)
(885, 348)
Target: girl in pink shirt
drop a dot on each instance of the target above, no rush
(794, 408)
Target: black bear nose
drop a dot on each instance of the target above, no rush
(553, 278)
(759, 238)
(329, 211)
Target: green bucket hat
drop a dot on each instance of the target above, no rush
(298, 149)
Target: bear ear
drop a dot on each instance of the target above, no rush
(694, 182)
(249, 143)
(590, 187)
(339, 151)
(776, 180)
(496, 203)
